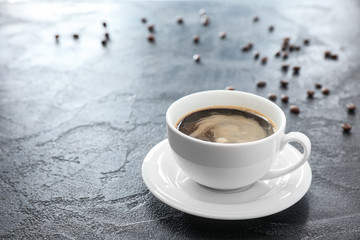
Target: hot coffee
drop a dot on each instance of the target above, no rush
(226, 125)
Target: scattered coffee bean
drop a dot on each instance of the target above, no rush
(297, 48)
(310, 93)
(179, 20)
(294, 109)
(196, 39)
(196, 57)
(57, 37)
(327, 54)
(272, 96)
(104, 43)
(346, 127)
(285, 43)
(261, 84)
(334, 56)
(351, 107)
(296, 70)
(247, 47)
(202, 12)
(231, 88)
(205, 20)
(107, 36)
(151, 27)
(284, 98)
(151, 38)
(271, 28)
(75, 36)
(104, 24)
(285, 67)
(306, 41)
(256, 19)
(143, 20)
(264, 60)
(292, 47)
(285, 55)
(325, 91)
(278, 54)
(256, 55)
(222, 35)
(284, 83)
(318, 85)
(286, 40)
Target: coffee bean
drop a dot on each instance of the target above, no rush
(196, 57)
(107, 36)
(196, 39)
(292, 47)
(222, 35)
(285, 67)
(334, 56)
(310, 93)
(264, 60)
(231, 88)
(57, 37)
(205, 20)
(247, 47)
(151, 38)
(104, 43)
(284, 83)
(306, 41)
(261, 84)
(271, 28)
(318, 85)
(294, 109)
(327, 54)
(272, 96)
(151, 27)
(351, 107)
(284, 98)
(278, 54)
(256, 19)
(143, 20)
(346, 127)
(297, 48)
(325, 91)
(286, 40)
(179, 20)
(75, 36)
(256, 55)
(104, 24)
(285, 55)
(296, 70)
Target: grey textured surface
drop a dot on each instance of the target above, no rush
(77, 119)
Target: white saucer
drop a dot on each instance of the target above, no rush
(170, 184)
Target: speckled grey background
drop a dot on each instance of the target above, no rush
(77, 119)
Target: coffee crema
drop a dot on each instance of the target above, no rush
(226, 125)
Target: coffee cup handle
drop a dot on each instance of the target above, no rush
(291, 137)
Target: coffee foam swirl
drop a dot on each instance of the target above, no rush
(228, 129)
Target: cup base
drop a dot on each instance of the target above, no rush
(231, 190)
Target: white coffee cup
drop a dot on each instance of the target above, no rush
(228, 166)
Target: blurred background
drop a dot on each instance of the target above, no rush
(80, 109)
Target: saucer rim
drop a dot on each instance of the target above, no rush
(166, 198)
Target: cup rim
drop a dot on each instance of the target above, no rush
(268, 138)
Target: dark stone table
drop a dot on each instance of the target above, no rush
(77, 118)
